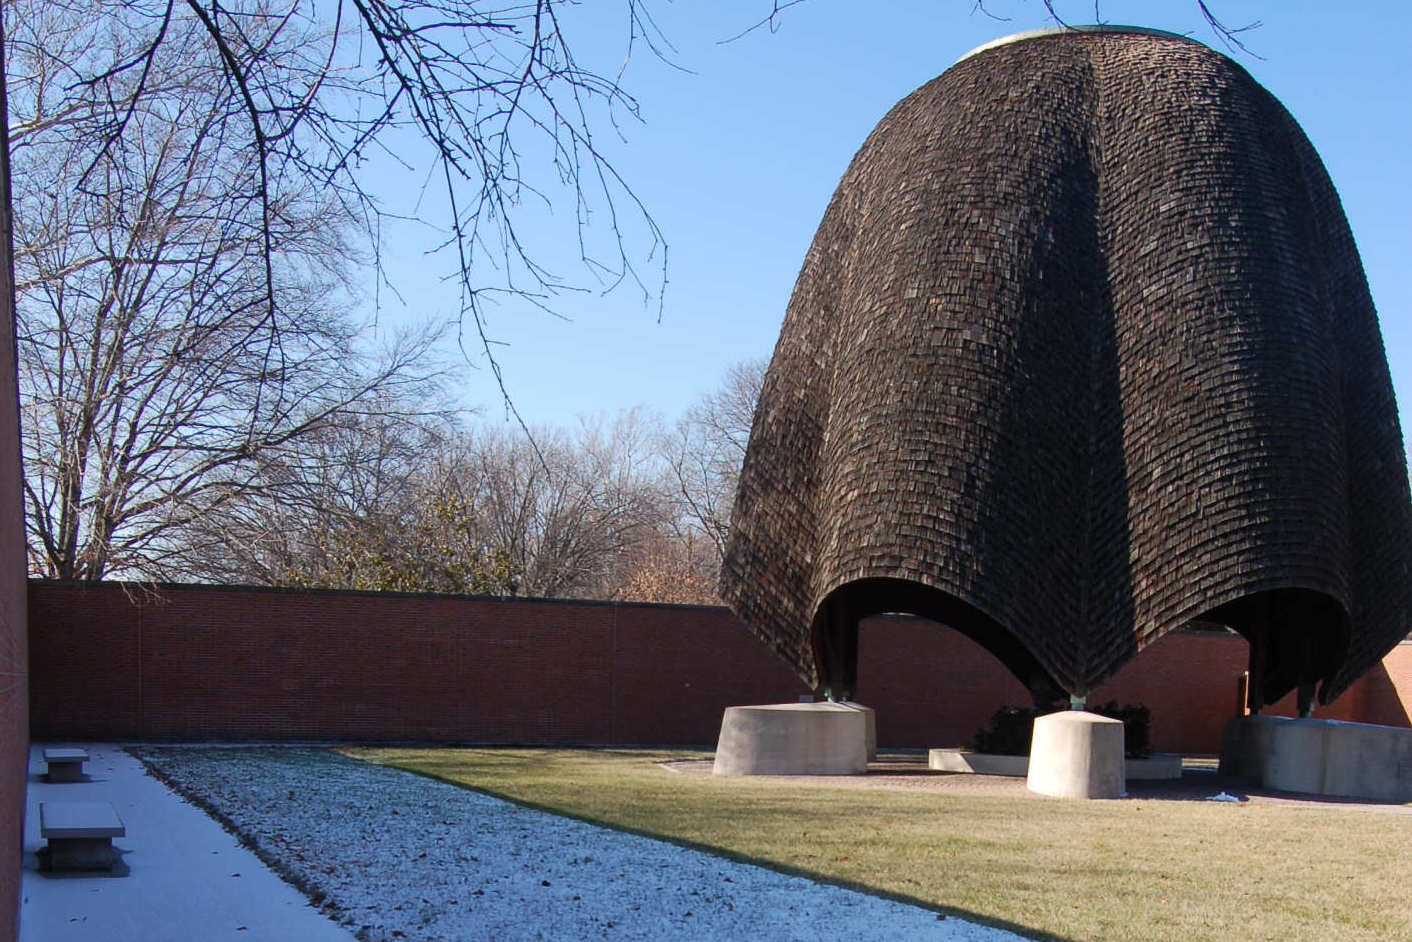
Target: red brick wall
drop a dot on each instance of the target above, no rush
(14, 658)
(1386, 691)
(239, 664)
(934, 687)
(213, 663)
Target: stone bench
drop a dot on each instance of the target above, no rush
(64, 765)
(80, 834)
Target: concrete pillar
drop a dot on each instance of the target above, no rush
(1349, 760)
(1245, 745)
(1295, 755)
(870, 721)
(793, 739)
(1076, 754)
(1368, 761)
(1321, 757)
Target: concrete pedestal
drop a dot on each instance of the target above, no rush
(977, 763)
(1321, 757)
(79, 834)
(1245, 745)
(1077, 755)
(64, 765)
(870, 722)
(794, 739)
(79, 853)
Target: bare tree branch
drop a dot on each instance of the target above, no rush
(156, 376)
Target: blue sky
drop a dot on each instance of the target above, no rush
(738, 157)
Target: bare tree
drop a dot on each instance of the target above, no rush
(340, 508)
(475, 509)
(674, 566)
(570, 508)
(154, 373)
(707, 449)
(489, 101)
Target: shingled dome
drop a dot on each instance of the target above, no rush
(1082, 351)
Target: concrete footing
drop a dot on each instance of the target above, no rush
(1158, 766)
(1320, 757)
(79, 853)
(1245, 745)
(977, 763)
(1076, 754)
(795, 739)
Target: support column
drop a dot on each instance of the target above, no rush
(793, 739)
(836, 648)
(1075, 754)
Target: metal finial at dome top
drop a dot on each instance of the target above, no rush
(1075, 28)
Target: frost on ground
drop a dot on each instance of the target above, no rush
(399, 856)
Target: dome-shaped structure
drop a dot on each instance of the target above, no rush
(1082, 351)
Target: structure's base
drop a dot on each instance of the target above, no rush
(1320, 757)
(78, 853)
(977, 763)
(1152, 768)
(64, 764)
(1076, 754)
(795, 739)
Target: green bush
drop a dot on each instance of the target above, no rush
(1011, 729)
(1137, 726)
(1009, 732)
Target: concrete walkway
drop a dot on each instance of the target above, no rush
(185, 878)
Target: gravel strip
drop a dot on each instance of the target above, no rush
(399, 856)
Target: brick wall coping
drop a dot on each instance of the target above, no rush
(137, 589)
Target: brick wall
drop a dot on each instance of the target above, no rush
(241, 664)
(222, 663)
(14, 721)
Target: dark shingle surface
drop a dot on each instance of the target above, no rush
(1083, 341)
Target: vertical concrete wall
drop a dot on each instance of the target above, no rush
(199, 662)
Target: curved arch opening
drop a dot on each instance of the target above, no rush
(834, 633)
(1298, 639)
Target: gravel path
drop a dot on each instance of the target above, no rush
(399, 856)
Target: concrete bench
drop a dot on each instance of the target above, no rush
(64, 765)
(80, 834)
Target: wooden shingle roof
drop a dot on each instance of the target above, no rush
(1084, 343)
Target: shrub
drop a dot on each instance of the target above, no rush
(1009, 732)
(1011, 729)
(1137, 725)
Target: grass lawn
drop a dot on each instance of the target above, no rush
(1103, 870)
